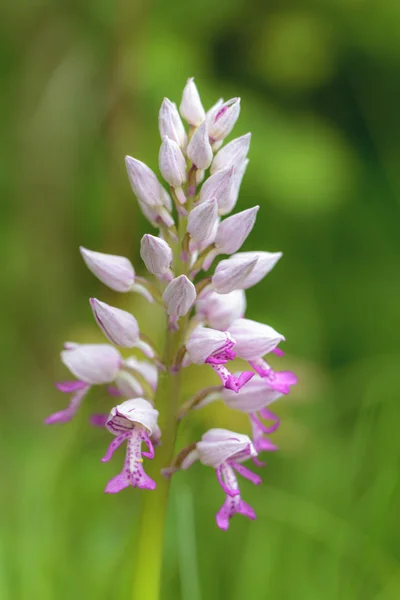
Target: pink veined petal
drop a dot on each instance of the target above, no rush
(244, 472)
(116, 443)
(118, 483)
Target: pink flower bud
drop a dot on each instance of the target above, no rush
(219, 311)
(159, 216)
(219, 186)
(172, 163)
(232, 275)
(191, 107)
(253, 339)
(233, 231)
(156, 254)
(265, 263)
(202, 220)
(116, 272)
(219, 445)
(131, 412)
(170, 124)
(233, 153)
(119, 326)
(252, 397)
(199, 149)
(144, 182)
(212, 112)
(92, 363)
(179, 296)
(223, 121)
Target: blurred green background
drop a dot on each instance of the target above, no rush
(82, 83)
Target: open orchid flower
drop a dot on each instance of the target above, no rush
(225, 451)
(133, 421)
(203, 307)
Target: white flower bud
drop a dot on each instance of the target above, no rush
(172, 163)
(179, 296)
(232, 275)
(202, 220)
(92, 363)
(199, 149)
(211, 113)
(144, 182)
(223, 121)
(219, 186)
(230, 203)
(156, 254)
(119, 326)
(233, 153)
(170, 124)
(114, 271)
(191, 107)
(265, 262)
(233, 231)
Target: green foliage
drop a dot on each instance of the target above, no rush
(82, 84)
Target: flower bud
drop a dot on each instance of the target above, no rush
(160, 215)
(212, 112)
(265, 263)
(94, 364)
(191, 107)
(172, 163)
(252, 397)
(124, 416)
(219, 186)
(128, 385)
(179, 296)
(145, 368)
(119, 326)
(223, 121)
(230, 201)
(220, 310)
(204, 342)
(114, 271)
(156, 254)
(144, 182)
(218, 445)
(233, 153)
(199, 149)
(202, 220)
(232, 275)
(233, 231)
(253, 339)
(170, 124)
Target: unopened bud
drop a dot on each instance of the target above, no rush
(265, 262)
(233, 231)
(191, 107)
(92, 363)
(114, 271)
(119, 326)
(219, 186)
(219, 311)
(179, 296)
(199, 149)
(202, 220)
(156, 254)
(172, 163)
(170, 124)
(232, 275)
(223, 121)
(144, 182)
(254, 339)
(233, 153)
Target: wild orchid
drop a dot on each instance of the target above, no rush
(204, 313)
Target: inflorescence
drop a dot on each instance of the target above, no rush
(206, 323)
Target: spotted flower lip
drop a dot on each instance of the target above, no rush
(254, 339)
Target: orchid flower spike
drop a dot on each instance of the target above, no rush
(225, 451)
(133, 421)
(191, 211)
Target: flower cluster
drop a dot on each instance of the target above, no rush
(204, 313)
